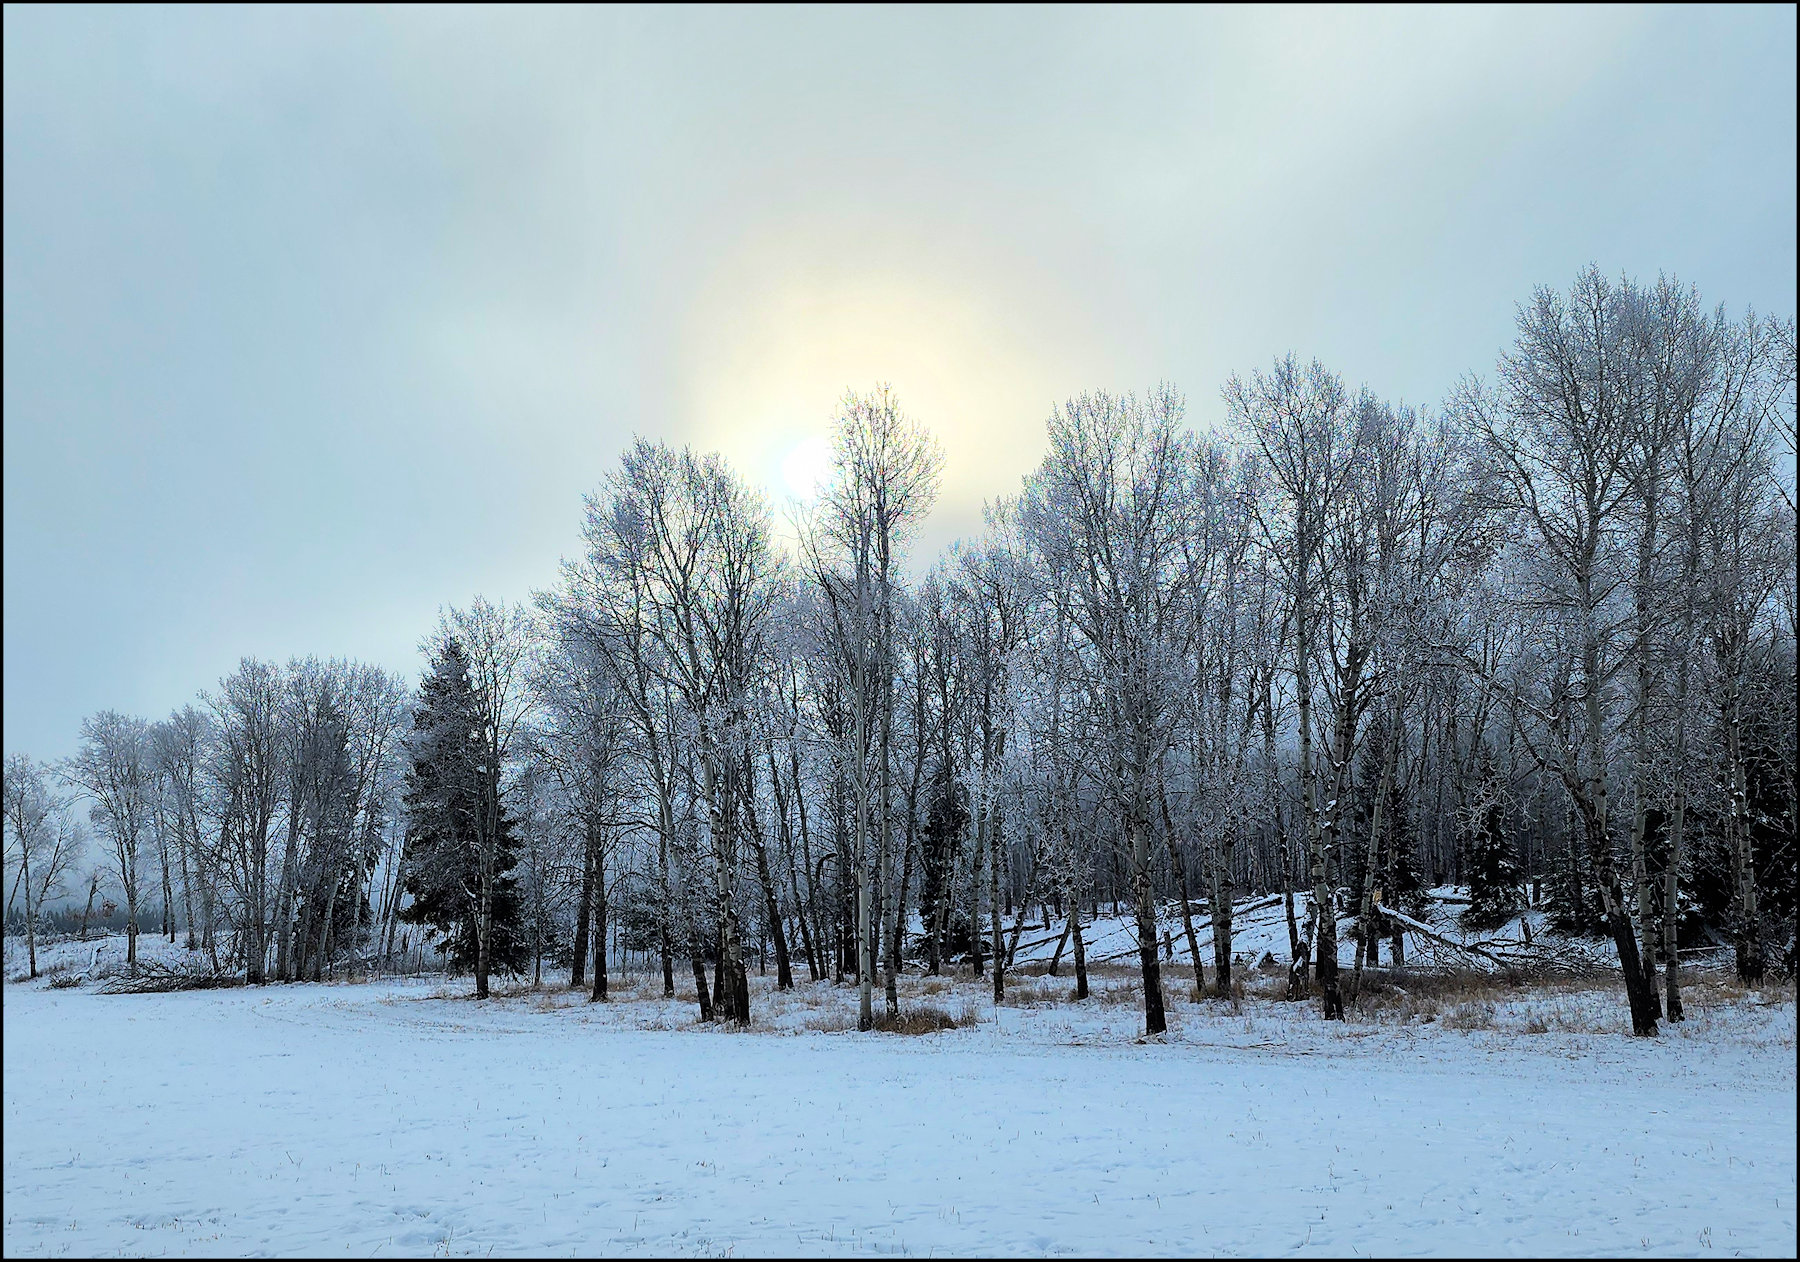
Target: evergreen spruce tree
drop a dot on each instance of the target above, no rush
(1494, 876)
(442, 851)
(1403, 887)
(946, 818)
(1572, 897)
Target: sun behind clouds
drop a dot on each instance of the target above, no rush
(771, 348)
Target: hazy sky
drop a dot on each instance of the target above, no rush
(315, 320)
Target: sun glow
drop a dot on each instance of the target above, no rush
(772, 347)
(806, 467)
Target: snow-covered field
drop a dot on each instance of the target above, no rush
(400, 1118)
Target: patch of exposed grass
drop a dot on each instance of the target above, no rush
(916, 1018)
(1212, 991)
(829, 1021)
(1126, 995)
(1477, 1015)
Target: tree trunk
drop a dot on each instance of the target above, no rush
(1366, 938)
(187, 888)
(1641, 998)
(1056, 956)
(484, 925)
(940, 915)
(897, 938)
(168, 882)
(863, 857)
(731, 995)
(1671, 916)
(1187, 912)
(784, 973)
(1222, 894)
(692, 924)
(1320, 835)
(1081, 973)
(1031, 877)
(93, 888)
(284, 893)
(1678, 811)
(977, 854)
(813, 971)
(662, 921)
(1154, 1020)
(1640, 874)
(600, 970)
(30, 908)
(1749, 917)
(995, 847)
(320, 958)
(208, 937)
(1296, 984)
(128, 873)
(584, 911)
(700, 991)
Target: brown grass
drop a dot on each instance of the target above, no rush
(1213, 991)
(1564, 1002)
(1478, 1015)
(913, 1018)
(829, 1021)
(1126, 996)
(1037, 991)
(918, 1018)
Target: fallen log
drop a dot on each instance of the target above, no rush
(1432, 935)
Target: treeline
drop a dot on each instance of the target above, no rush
(1540, 641)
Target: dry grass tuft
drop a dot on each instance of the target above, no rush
(1401, 999)
(1116, 996)
(829, 1021)
(1478, 1015)
(1036, 991)
(1128, 970)
(918, 1018)
(812, 995)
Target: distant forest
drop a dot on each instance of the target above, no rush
(1538, 641)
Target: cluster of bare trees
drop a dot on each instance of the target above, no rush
(253, 820)
(1323, 650)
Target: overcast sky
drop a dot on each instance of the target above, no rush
(315, 320)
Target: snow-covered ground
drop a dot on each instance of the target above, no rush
(97, 957)
(401, 1118)
(1259, 927)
